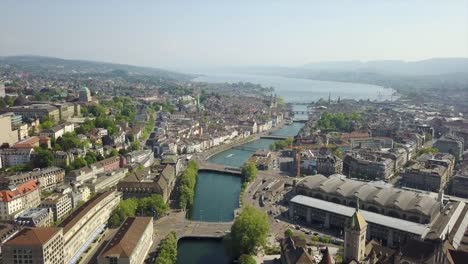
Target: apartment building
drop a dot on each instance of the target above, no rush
(35, 217)
(85, 222)
(59, 204)
(430, 175)
(13, 157)
(107, 180)
(39, 245)
(7, 133)
(48, 178)
(90, 172)
(34, 111)
(58, 131)
(130, 244)
(15, 200)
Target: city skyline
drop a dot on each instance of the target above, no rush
(185, 35)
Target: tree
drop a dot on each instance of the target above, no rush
(79, 163)
(90, 157)
(247, 259)
(168, 250)
(47, 124)
(248, 232)
(249, 171)
(113, 153)
(187, 185)
(152, 206)
(126, 208)
(135, 145)
(43, 158)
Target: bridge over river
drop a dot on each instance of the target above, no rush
(183, 227)
(208, 166)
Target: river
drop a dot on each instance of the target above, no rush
(216, 198)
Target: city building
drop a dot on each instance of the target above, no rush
(430, 175)
(355, 237)
(48, 178)
(368, 166)
(262, 159)
(84, 224)
(459, 186)
(67, 110)
(294, 251)
(130, 244)
(32, 142)
(91, 171)
(107, 180)
(58, 130)
(13, 157)
(138, 156)
(16, 199)
(34, 111)
(329, 164)
(145, 183)
(85, 95)
(59, 204)
(450, 144)
(393, 215)
(371, 143)
(39, 245)
(8, 135)
(35, 217)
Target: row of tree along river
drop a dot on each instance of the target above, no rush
(216, 198)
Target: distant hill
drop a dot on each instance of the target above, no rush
(434, 66)
(65, 66)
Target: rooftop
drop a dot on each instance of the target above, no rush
(36, 236)
(9, 195)
(127, 237)
(79, 213)
(370, 217)
(369, 192)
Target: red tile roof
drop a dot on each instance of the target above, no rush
(27, 143)
(8, 195)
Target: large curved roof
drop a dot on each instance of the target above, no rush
(369, 192)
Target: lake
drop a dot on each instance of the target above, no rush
(304, 90)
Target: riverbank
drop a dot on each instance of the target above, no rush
(205, 155)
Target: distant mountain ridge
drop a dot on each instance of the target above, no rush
(433, 66)
(69, 66)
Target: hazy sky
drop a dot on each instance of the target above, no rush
(189, 34)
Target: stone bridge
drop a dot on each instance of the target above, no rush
(204, 229)
(208, 166)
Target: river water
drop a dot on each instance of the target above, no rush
(216, 198)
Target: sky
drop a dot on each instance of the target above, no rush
(179, 34)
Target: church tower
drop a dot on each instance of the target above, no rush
(355, 237)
